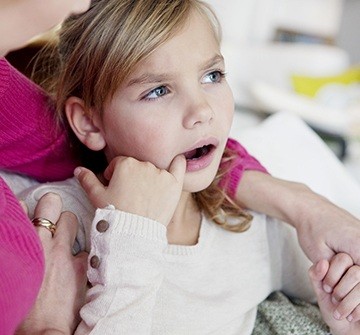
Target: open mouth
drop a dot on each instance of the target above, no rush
(198, 153)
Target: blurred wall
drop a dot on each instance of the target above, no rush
(255, 21)
(349, 34)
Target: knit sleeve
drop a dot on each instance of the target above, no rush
(126, 270)
(243, 161)
(31, 142)
(21, 262)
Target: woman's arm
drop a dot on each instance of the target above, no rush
(30, 141)
(242, 162)
(21, 262)
(323, 228)
(316, 219)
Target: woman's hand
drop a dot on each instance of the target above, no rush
(62, 293)
(325, 229)
(137, 187)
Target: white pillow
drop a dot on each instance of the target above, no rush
(290, 150)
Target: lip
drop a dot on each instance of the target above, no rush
(203, 162)
(209, 141)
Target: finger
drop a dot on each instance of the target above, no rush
(109, 171)
(319, 270)
(350, 302)
(49, 207)
(347, 283)
(81, 261)
(317, 273)
(90, 183)
(66, 229)
(339, 264)
(178, 168)
(355, 315)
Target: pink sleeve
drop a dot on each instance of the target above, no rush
(243, 161)
(21, 262)
(30, 141)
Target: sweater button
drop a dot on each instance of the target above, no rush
(95, 262)
(102, 226)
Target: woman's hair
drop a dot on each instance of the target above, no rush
(99, 49)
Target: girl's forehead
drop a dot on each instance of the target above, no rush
(195, 33)
(197, 27)
(193, 47)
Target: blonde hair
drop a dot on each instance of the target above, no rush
(100, 48)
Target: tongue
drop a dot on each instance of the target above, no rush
(190, 154)
(197, 153)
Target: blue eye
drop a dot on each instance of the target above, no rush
(214, 77)
(157, 93)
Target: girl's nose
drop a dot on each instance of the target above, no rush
(197, 113)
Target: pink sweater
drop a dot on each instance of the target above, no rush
(21, 262)
(31, 144)
(244, 161)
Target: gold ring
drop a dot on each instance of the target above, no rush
(42, 222)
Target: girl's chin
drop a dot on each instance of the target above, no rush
(195, 184)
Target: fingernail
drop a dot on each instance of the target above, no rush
(77, 171)
(350, 318)
(337, 315)
(318, 266)
(327, 288)
(334, 300)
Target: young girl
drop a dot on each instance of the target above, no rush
(148, 89)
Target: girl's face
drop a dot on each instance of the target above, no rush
(177, 101)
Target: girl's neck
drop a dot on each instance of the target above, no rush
(184, 227)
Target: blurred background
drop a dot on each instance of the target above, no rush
(297, 56)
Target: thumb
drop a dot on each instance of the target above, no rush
(178, 168)
(91, 185)
(81, 259)
(317, 273)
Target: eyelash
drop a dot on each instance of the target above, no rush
(221, 74)
(146, 97)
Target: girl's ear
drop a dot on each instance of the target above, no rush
(84, 127)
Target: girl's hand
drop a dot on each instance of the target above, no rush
(339, 306)
(62, 293)
(137, 187)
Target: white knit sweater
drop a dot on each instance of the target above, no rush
(143, 285)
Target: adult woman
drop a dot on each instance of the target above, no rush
(21, 254)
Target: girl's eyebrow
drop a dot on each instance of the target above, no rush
(213, 61)
(147, 78)
(153, 78)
